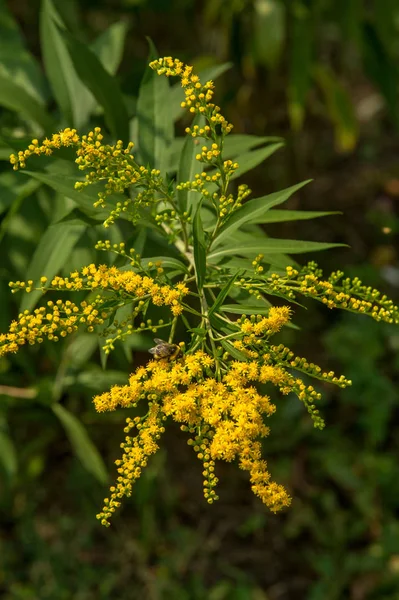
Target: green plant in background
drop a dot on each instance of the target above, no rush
(327, 47)
(211, 384)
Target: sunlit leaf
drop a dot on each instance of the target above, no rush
(254, 210)
(269, 246)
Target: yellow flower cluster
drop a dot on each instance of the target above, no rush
(260, 326)
(68, 137)
(197, 96)
(112, 164)
(348, 294)
(102, 277)
(55, 320)
(62, 318)
(225, 417)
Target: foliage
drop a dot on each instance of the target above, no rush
(210, 390)
(68, 226)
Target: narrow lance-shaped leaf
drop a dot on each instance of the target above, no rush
(81, 443)
(246, 309)
(71, 95)
(239, 143)
(51, 254)
(102, 85)
(155, 120)
(282, 216)
(224, 292)
(199, 248)
(14, 97)
(253, 210)
(269, 246)
(252, 159)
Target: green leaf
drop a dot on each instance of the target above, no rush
(340, 108)
(189, 166)
(14, 97)
(238, 143)
(101, 84)
(71, 95)
(199, 248)
(301, 41)
(254, 210)
(109, 45)
(221, 297)
(155, 121)
(84, 199)
(16, 63)
(50, 255)
(81, 443)
(282, 216)
(252, 159)
(269, 246)
(268, 31)
(245, 309)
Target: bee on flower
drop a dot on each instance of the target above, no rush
(164, 350)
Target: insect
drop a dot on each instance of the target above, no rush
(164, 350)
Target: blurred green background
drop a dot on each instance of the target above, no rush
(324, 74)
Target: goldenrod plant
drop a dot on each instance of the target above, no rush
(215, 353)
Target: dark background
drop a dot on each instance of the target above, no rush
(324, 75)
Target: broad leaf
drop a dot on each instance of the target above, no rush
(81, 443)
